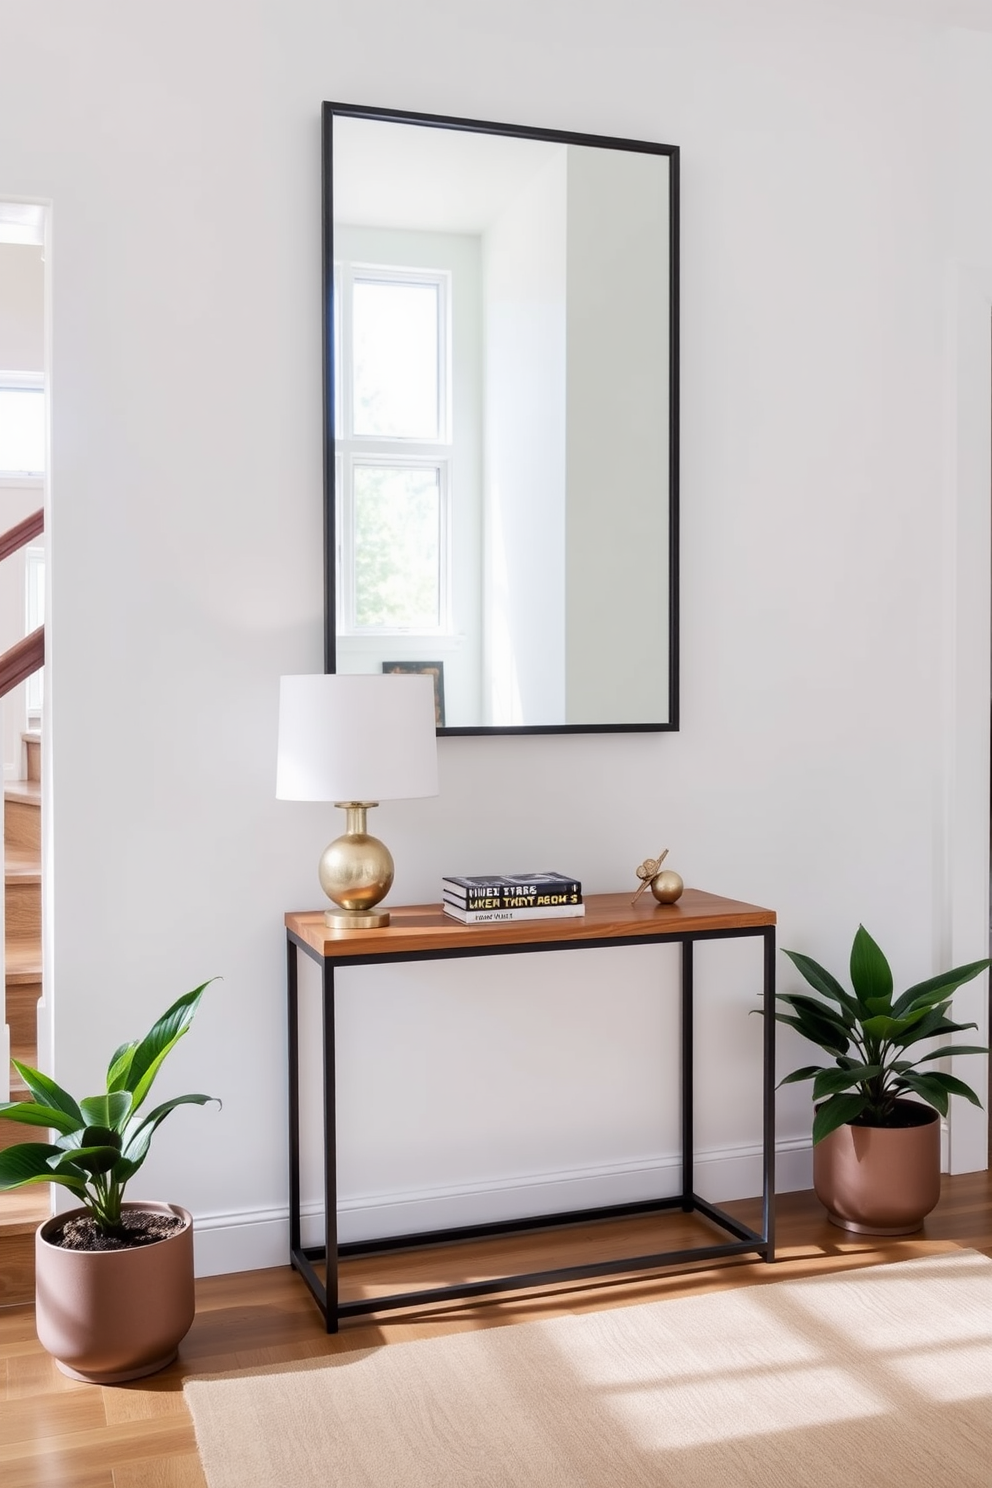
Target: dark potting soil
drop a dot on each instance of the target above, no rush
(904, 1113)
(141, 1226)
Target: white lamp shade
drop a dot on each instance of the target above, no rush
(356, 738)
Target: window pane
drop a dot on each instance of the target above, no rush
(22, 430)
(397, 547)
(395, 331)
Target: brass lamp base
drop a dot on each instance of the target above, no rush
(356, 871)
(355, 919)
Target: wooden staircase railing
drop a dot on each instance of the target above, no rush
(22, 533)
(26, 656)
(23, 658)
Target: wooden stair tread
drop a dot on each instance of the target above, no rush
(23, 1210)
(28, 791)
(22, 864)
(23, 962)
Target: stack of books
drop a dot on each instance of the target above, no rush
(512, 896)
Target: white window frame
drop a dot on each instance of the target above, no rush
(399, 451)
(370, 273)
(22, 382)
(34, 615)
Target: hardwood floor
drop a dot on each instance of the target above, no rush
(56, 1433)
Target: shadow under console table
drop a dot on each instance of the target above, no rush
(423, 933)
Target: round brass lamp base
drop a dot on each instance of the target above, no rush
(355, 872)
(355, 919)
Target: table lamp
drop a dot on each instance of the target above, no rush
(356, 741)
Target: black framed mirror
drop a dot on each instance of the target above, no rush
(501, 418)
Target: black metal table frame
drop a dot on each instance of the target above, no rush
(325, 1293)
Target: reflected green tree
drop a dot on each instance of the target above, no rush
(397, 546)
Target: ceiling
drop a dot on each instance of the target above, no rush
(427, 178)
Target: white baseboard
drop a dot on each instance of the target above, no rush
(251, 1240)
(259, 1238)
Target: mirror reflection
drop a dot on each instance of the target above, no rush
(501, 419)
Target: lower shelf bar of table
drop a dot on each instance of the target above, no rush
(749, 1242)
(560, 1220)
(469, 1289)
(301, 1261)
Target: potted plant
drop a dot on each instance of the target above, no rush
(114, 1280)
(876, 1130)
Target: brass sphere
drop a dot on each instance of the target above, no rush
(356, 871)
(666, 886)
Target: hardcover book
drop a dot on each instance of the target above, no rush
(515, 901)
(541, 912)
(512, 890)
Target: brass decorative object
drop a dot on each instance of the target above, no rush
(356, 871)
(666, 886)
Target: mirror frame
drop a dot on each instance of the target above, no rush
(479, 126)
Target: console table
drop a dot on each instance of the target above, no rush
(424, 933)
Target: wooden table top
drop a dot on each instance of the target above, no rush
(425, 927)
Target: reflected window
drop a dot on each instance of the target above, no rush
(22, 424)
(395, 358)
(392, 448)
(397, 546)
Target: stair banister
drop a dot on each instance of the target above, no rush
(22, 532)
(28, 655)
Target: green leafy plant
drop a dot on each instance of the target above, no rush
(868, 1032)
(103, 1140)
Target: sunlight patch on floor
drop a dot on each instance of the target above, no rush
(709, 1411)
(963, 1373)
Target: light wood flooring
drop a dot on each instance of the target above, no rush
(56, 1433)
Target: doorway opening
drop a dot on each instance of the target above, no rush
(23, 487)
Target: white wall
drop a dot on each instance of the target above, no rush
(524, 288)
(186, 485)
(22, 308)
(618, 346)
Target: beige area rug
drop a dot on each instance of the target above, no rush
(880, 1378)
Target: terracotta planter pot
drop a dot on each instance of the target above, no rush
(113, 1315)
(880, 1180)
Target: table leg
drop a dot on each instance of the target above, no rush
(768, 1123)
(688, 1146)
(330, 1152)
(293, 1009)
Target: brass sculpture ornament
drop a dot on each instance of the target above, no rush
(666, 886)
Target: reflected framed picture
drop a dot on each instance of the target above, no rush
(434, 669)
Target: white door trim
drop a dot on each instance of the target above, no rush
(962, 787)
